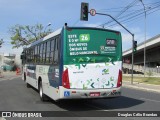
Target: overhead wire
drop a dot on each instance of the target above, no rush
(121, 12)
(131, 14)
(135, 14)
(106, 10)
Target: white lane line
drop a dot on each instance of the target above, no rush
(150, 100)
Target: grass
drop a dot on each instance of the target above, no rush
(147, 80)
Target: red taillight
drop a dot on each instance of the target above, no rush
(119, 83)
(65, 79)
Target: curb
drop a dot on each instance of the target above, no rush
(140, 88)
(148, 84)
(140, 83)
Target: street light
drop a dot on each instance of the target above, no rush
(144, 37)
(49, 24)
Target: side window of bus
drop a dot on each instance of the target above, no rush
(24, 56)
(32, 55)
(38, 54)
(35, 54)
(44, 52)
(28, 56)
(41, 53)
(52, 50)
(48, 52)
(56, 51)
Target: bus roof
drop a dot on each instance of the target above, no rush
(94, 28)
(46, 37)
(59, 31)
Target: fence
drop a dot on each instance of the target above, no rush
(140, 68)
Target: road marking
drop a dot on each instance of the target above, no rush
(149, 100)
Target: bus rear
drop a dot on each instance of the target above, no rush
(92, 63)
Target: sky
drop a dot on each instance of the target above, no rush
(57, 12)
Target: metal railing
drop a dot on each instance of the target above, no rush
(140, 68)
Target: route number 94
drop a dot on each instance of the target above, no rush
(84, 37)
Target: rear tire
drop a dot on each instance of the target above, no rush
(24, 77)
(28, 85)
(43, 97)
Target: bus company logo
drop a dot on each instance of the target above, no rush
(105, 71)
(6, 114)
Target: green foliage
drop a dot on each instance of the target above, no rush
(149, 73)
(142, 79)
(1, 42)
(22, 35)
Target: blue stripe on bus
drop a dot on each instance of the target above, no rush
(61, 58)
(56, 82)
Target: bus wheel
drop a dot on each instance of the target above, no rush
(24, 77)
(41, 94)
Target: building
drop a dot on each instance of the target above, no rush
(9, 62)
(152, 50)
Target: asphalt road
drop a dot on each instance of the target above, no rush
(15, 96)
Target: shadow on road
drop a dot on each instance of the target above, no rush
(99, 104)
(118, 103)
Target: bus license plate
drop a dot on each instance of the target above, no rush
(94, 94)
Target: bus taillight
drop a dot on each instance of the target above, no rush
(65, 79)
(119, 83)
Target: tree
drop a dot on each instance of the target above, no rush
(24, 35)
(1, 42)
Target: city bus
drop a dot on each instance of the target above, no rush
(75, 63)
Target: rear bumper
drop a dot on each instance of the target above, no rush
(88, 94)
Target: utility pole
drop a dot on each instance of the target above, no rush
(144, 37)
(129, 33)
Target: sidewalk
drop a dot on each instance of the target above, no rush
(142, 86)
(9, 76)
